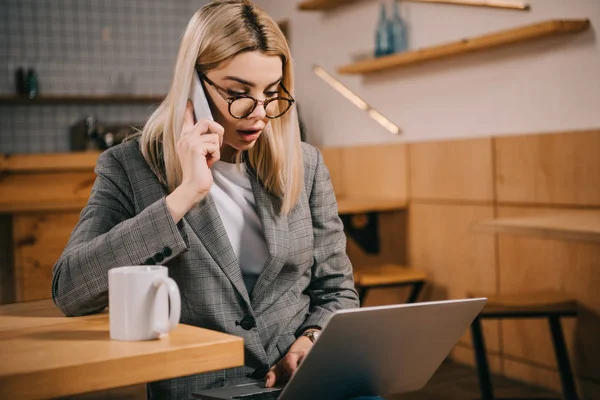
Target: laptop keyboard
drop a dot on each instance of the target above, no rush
(270, 395)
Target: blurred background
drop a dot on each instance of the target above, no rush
(114, 59)
(88, 48)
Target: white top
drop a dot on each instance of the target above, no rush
(233, 196)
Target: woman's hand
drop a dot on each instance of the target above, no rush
(198, 149)
(287, 366)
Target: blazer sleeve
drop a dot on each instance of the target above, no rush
(332, 284)
(110, 235)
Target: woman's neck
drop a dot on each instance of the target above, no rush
(228, 154)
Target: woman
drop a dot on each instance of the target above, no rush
(241, 212)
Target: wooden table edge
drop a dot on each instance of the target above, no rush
(102, 375)
(494, 227)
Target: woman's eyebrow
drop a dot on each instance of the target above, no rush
(247, 83)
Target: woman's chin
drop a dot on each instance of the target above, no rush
(238, 146)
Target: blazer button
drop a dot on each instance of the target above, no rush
(150, 261)
(167, 252)
(247, 323)
(158, 257)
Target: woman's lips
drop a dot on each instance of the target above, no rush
(249, 136)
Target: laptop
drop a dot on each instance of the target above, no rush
(370, 351)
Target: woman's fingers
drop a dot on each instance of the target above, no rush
(213, 154)
(219, 130)
(198, 141)
(283, 370)
(203, 126)
(273, 376)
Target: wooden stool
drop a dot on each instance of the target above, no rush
(389, 275)
(545, 304)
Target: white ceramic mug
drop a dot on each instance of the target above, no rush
(138, 302)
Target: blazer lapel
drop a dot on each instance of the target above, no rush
(207, 225)
(275, 228)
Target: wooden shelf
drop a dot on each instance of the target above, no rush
(364, 205)
(497, 39)
(81, 99)
(321, 5)
(581, 225)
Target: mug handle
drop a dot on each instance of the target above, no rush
(174, 299)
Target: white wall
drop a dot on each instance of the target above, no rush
(552, 84)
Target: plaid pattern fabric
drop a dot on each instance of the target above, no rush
(126, 222)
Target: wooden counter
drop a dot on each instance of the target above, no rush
(581, 225)
(58, 182)
(46, 355)
(41, 196)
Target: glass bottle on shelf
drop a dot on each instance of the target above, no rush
(382, 35)
(398, 31)
(32, 84)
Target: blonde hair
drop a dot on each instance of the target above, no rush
(215, 34)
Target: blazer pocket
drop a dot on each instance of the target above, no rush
(284, 343)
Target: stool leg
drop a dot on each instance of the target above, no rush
(414, 293)
(483, 370)
(562, 359)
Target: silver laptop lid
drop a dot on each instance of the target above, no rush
(381, 350)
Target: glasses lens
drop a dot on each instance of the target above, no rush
(277, 107)
(241, 107)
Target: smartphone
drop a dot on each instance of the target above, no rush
(198, 98)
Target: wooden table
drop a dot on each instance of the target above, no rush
(583, 225)
(45, 354)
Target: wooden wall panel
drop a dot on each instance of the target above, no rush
(464, 354)
(393, 239)
(536, 375)
(533, 374)
(333, 161)
(457, 260)
(368, 172)
(529, 263)
(39, 240)
(452, 170)
(538, 171)
(549, 169)
(375, 171)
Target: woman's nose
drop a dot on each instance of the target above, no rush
(259, 111)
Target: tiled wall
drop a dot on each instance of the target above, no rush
(83, 47)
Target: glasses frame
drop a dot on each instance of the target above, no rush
(230, 99)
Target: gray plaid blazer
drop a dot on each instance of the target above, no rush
(126, 222)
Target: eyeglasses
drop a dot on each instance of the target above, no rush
(241, 105)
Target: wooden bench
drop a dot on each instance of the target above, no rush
(389, 275)
(543, 304)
